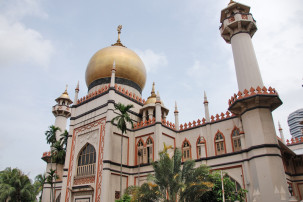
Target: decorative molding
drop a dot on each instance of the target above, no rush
(84, 180)
(101, 123)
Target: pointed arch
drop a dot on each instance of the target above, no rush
(86, 160)
(150, 149)
(139, 151)
(186, 150)
(235, 139)
(219, 141)
(201, 147)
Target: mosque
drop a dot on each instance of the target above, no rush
(242, 142)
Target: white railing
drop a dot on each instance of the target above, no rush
(86, 169)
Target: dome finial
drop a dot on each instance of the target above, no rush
(153, 94)
(118, 43)
(65, 92)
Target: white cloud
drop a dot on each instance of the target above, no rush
(152, 60)
(18, 43)
(17, 9)
(198, 71)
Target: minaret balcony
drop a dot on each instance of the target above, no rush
(61, 110)
(46, 156)
(254, 98)
(238, 23)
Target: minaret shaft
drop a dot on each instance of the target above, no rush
(246, 64)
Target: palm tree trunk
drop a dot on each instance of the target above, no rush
(121, 167)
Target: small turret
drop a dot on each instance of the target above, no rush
(206, 108)
(62, 106)
(176, 112)
(62, 111)
(76, 93)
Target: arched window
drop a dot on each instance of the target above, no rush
(140, 148)
(186, 150)
(149, 146)
(87, 161)
(201, 147)
(236, 140)
(219, 143)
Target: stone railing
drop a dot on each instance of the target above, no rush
(192, 124)
(294, 140)
(86, 169)
(168, 124)
(199, 122)
(251, 92)
(144, 123)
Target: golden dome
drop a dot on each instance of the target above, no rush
(129, 66)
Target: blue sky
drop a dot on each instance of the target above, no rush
(46, 44)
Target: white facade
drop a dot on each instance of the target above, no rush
(241, 142)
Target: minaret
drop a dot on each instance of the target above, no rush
(281, 133)
(176, 112)
(206, 108)
(62, 111)
(267, 180)
(76, 93)
(237, 28)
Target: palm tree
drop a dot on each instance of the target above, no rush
(51, 139)
(39, 183)
(122, 119)
(50, 179)
(16, 186)
(64, 138)
(172, 179)
(58, 153)
(51, 134)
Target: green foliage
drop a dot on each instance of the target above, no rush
(123, 117)
(50, 179)
(147, 192)
(16, 185)
(215, 195)
(58, 152)
(125, 198)
(40, 180)
(171, 180)
(63, 139)
(51, 134)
